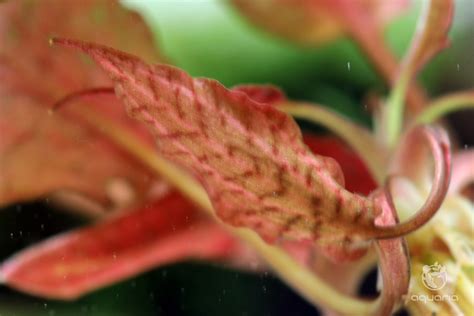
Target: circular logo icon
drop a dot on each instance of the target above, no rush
(434, 277)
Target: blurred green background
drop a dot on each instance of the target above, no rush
(207, 38)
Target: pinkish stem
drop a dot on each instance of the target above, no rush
(440, 147)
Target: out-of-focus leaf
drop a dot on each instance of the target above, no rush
(314, 21)
(432, 34)
(42, 153)
(463, 170)
(240, 150)
(77, 262)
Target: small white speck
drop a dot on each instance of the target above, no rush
(349, 66)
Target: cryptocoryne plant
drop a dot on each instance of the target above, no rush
(256, 178)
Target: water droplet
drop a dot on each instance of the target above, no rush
(349, 66)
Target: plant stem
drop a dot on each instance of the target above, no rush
(444, 105)
(367, 35)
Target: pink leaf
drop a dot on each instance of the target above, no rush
(56, 150)
(315, 21)
(262, 93)
(251, 159)
(249, 156)
(432, 33)
(77, 262)
(463, 170)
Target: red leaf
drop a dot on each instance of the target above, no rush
(56, 150)
(249, 156)
(432, 34)
(357, 176)
(77, 262)
(262, 93)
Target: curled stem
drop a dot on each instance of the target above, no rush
(440, 147)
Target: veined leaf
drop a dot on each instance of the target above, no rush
(249, 156)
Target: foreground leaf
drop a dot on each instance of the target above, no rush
(241, 151)
(42, 153)
(77, 262)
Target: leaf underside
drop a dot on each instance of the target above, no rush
(74, 263)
